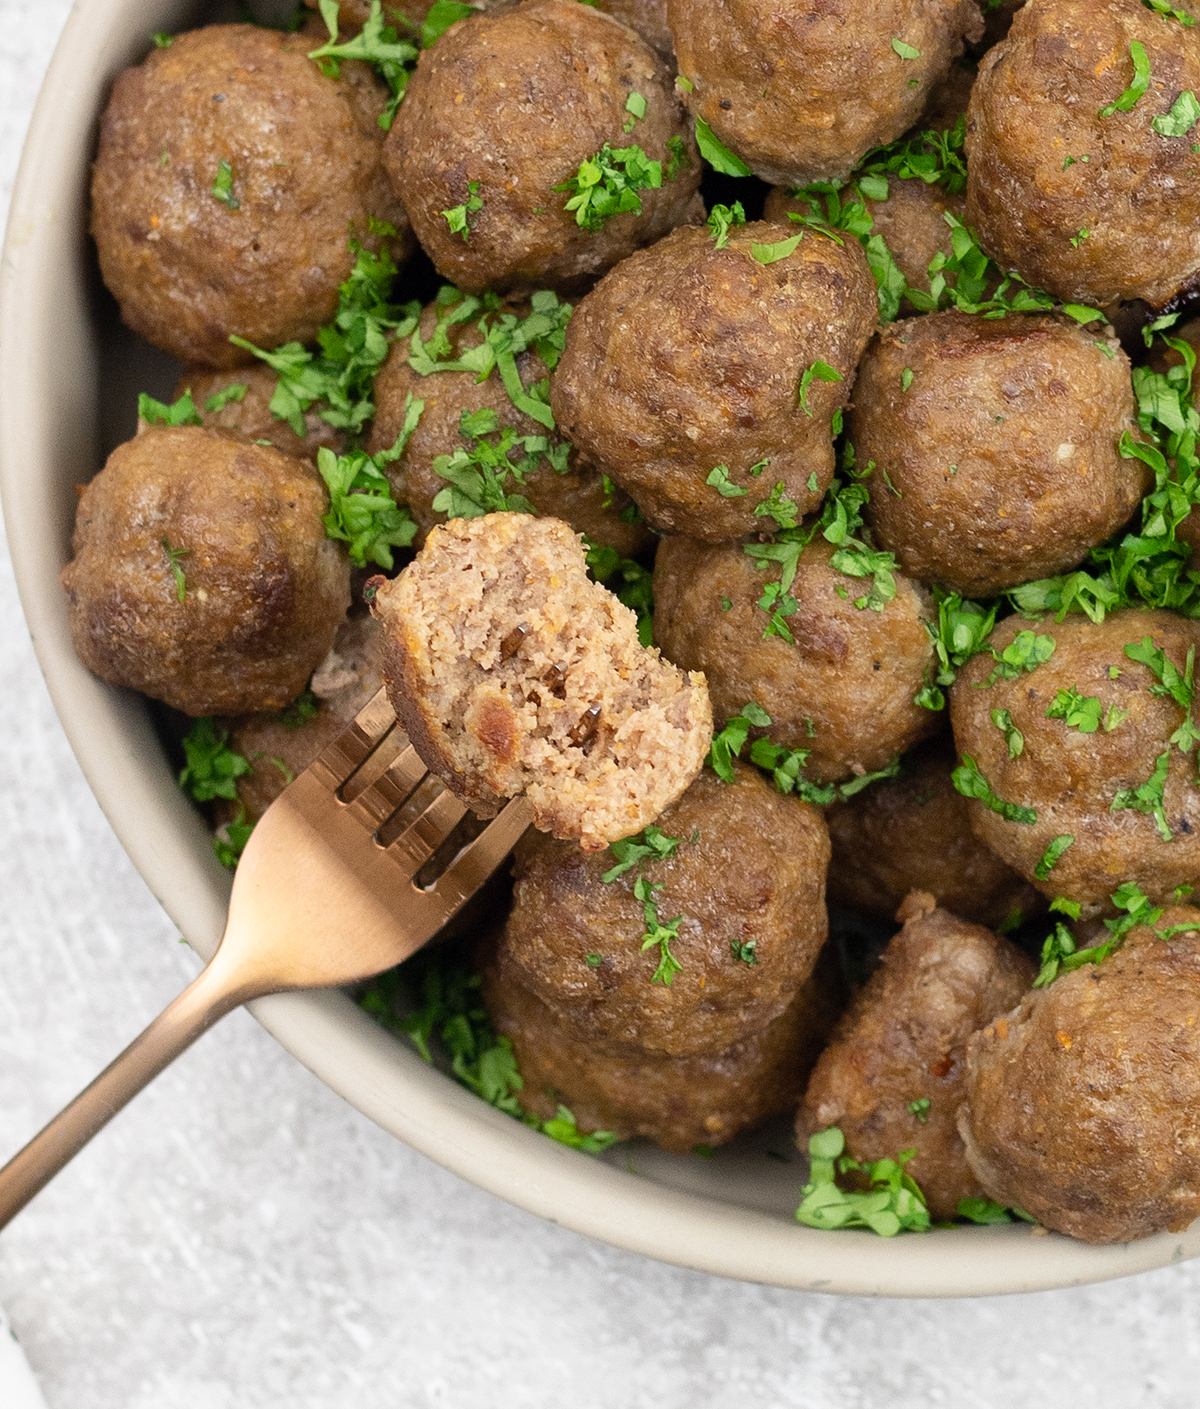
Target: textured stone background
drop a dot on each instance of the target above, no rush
(240, 1239)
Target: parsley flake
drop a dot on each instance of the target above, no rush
(378, 45)
(1077, 711)
(892, 1203)
(722, 219)
(363, 512)
(1148, 797)
(458, 217)
(212, 768)
(220, 399)
(222, 186)
(173, 557)
(1164, 7)
(303, 708)
(961, 631)
(231, 838)
(652, 844)
(162, 40)
(715, 152)
(1141, 82)
(1052, 856)
(440, 16)
(718, 477)
(1013, 737)
(773, 253)
(819, 371)
(970, 782)
(607, 185)
(1024, 653)
(920, 1108)
(744, 952)
(657, 932)
(983, 1211)
(1059, 952)
(630, 583)
(905, 51)
(635, 106)
(1183, 116)
(180, 413)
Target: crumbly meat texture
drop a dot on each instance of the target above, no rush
(912, 222)
(512, 673)
(579, 496)
(687, 358)
(1081, 1106)
(649, 19)
(749, 871)
(996, 444)
(904, 1040)
(264, 589)
(1071, 778)
(514, 103)
(250, 416)
(304, 151)
(911, 833)
(1125, 222)
(801, 91)
(679, 1102)
(844, 690)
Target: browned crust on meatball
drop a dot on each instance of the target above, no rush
(648, 18)
(679, 1102)
(578, 497)
(186, 269)
(265, 590)
(513, 672)
(515, 102)
(800, 92)
(687, 357)
(904, 1040)
(1081, 1105)
(753, 875)
(914, 833)
(1071, 778)
(844, 690)
(251, 417)
(1035, 103)
(997, 446)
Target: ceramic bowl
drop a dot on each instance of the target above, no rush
(69, 376)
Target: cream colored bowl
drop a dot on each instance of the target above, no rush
(68, 382)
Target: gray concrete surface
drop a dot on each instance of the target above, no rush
(240, 1239)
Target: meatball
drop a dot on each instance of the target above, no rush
(893, 1077)
(202, 575)
(1085, 200)
(1095, 766)
(648, 18)
(998, 445)
(679, 1102)
(353, 14)
(229, 171)
(688, 374)
(578, 496)
(801, 92)
(513, 673)
(742, 893)
(1081, 1105)
(914, 833)
(503, 111)
(840, 684)
(242, 407)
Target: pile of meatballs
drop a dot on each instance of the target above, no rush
(817, 486)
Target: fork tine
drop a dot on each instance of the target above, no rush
(477, 860)
(417, 843)
(376, 803)
(355, 743)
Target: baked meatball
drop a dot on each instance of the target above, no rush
(202, 575)
(247, 413)
(688, 374)
(801, 91)
(502, 112)
(353, 14)
(746, 884)
(1081, 1106)
(229, 171)
(648, 18)
(843, 686)
(996, 444)
(1093, 204)
(894, 1074)
(679, 1102)
(913, 833)
(579, 496)
(1095, 764)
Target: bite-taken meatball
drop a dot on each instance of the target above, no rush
(842, 686)
(742, 894)
(996, 444)
(1095, 769)
(801, 91)
(893, 1076)
(913, 833)
(688, 374)
(1081, 1106)
(578, 496)
(502, 111)
(202, 575)
(1084, 185)
(229, 172)
(679, 1102)
(241, 405)
(513, 673)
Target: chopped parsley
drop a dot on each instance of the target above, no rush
(220, 399)
(593, 960)
(212, 768)
(961, 631)
(743, 952)
(230, 840)
(651, 844)
(657, 932)
(458, 217)
(905, 51)
(631, 584)
(1148, 797)
(157, 413)
(722, 219)
(1024, 653)
(970, 782)
(920, 1108)
(1052, 856)
(478, 472)
(987, 1211)
(1013, 737)
(1183, 116)
(772, 253)
(174, 556)
(892, 1203)
(1059, 953)
(1141, 82)
(1171, 685)
(819, 371)
(1077, 711)
(162, 40)
(718, 477)
(635, 106)
(1164, 7)
(440, 16)
(303, 708)
(378, 45)
(716, 153)
(363, 512)
(608, 184)
(779, 506)
(222, 186)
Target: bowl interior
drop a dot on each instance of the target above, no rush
(69, 378)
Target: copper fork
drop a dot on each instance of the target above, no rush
(325, 894)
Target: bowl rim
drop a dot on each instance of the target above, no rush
(48, 442)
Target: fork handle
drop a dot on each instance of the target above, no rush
(215, 991)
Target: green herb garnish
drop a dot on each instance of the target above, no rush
(458, 217)
(157, 413)
(1013, 737)
(440, 16)
(174, 557)
(222, 186)
(819, 371)
(608, 184)
(722, 219)
(1052, 856)
(212, 768)
(378, 45)
(893, 1203)
(970, 782)
(1141, 82)
(772, 253)
(657, 932)
(715, 152)
(363, 512)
